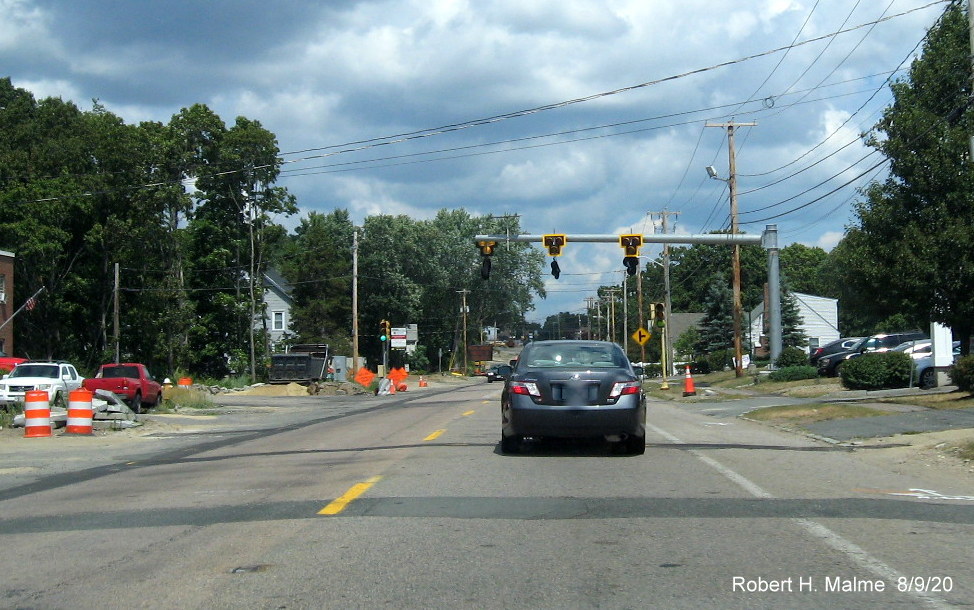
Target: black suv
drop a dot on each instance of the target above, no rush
(830, 365)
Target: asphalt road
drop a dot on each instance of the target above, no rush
(406, 502)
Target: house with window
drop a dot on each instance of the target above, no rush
(277, 308)
(820, 321)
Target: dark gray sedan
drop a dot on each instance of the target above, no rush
(574, 389)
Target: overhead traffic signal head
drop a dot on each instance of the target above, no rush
(554, 243)
(631, 244)
(384, 330)
(486, 247)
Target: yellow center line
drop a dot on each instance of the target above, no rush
(466, 413)
(339, 504)
(434, 436)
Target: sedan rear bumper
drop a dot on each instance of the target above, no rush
(522, 417)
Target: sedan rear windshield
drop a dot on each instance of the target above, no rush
(574, 356)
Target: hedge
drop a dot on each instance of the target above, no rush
(877, 371)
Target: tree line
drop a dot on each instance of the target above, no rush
(186, 211)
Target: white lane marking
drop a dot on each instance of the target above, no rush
(927, 494)
(851, 550)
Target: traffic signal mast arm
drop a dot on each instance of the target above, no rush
(706, 238)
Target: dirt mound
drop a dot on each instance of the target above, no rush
(291, 389)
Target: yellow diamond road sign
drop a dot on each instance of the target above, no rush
(641, 336)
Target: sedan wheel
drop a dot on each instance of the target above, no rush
(928, 379)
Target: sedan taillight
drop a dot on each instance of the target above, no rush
(624, 387)
(525, 388)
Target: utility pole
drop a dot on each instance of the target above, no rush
(464, 307)
(117, 337)
(667, 303)
(625, 313)
(354, 300)
(732, 185)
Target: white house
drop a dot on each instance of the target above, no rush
(820, 320)
(277, 307)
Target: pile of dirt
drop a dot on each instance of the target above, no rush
(291, 389)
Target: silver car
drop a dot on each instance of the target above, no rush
(574, 389)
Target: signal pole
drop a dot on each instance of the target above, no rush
(668, 341)
(732, 185)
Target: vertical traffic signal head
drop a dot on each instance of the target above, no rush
(554, 243)
(659, 314)
(384, 330)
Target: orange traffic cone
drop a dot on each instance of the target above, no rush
(688, 384)
(422, 382)
(392, 386)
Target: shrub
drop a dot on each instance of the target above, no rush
(877, 371)
(962, 373)
(719, 359)
(791, 357)
(793, 373)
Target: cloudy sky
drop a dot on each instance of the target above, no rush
(581, 116)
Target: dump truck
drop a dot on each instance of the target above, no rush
(302, 363)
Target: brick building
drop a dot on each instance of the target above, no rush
(6, 301)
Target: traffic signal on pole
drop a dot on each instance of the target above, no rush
(659, 314)
(486, 251)
(554, 243)
(631, 245)
(384, 330)
(486, 247)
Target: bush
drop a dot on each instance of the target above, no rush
(962, 373)
(877, 371)
(719, 359)
(793, 373)
(792, 357)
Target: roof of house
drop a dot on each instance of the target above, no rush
(276, 282)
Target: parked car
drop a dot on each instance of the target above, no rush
(129, 381)
(839, 345)
(7, 363)
(58, 379)
(494, 373)
(830, 365)
(574, 389)
(926, 374)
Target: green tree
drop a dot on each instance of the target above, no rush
(911, 251)
(318, 263)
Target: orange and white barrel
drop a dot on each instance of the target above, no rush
(37, 414)
(80, 413)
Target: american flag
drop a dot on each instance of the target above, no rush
(31, 303)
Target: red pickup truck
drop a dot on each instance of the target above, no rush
(7, 363)
(129, 381)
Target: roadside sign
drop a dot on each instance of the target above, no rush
(641, 336)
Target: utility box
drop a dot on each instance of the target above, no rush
(304, 363)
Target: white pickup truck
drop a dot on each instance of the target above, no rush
(58, 379)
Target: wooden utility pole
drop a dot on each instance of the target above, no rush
(667, 304)
(464, 311)
(354, 301)
(117, 336)
(732, 185)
